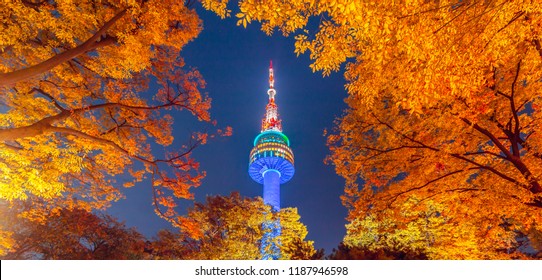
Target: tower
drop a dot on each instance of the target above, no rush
(271, 163)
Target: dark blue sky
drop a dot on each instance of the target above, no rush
(234, 62)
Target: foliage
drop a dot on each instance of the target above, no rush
(420, 50)
(344, 252)
(230, 227)
(221, 228)
(444, 106)
(439, 157)
(73, 234)
(74, 113)
(424, 230)
(6, 242)
(298, 249)
(292, 243)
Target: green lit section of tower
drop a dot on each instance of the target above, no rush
(271, 163)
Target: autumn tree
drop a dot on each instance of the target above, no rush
(72, 234)
(426, 229)
(75, 112)
(436, 157)
(347, 252)
(422, 230)
(444, 103)
(230, 227)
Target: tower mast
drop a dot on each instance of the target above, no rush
(271, 120)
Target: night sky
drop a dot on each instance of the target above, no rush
(234, 62)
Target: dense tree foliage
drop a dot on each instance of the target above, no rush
(425, 229)
(444, 107)
(72, 234)
(230, 227)
(75, 112)
(345, 252)
(224, 227)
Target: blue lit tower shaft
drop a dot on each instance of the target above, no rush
(271, 164)
(271, 188)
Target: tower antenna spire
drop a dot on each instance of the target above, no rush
(271, 77)
(271, 120)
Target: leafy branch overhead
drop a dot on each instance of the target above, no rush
(74, 82)
(444, 108)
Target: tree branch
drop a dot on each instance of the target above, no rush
(495, 171)
(516, 17)
(490, 136)
(515, 148)
(381, 152)
(538, 46)
(458, 156)
(42, 125)
(486, 152)
(57, 105)
(534, 185)
(460, 190)
(103, 141)
(403, 135)
(92, 43)
(396, 196)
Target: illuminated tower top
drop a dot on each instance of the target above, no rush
(271, 150)
(271, 120)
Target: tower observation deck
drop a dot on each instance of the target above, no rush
(271, 163)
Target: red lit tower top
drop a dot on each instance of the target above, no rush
(271, 120)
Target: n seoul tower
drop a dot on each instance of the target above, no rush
(271, 163)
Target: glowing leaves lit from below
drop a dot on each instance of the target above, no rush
(76, 116)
